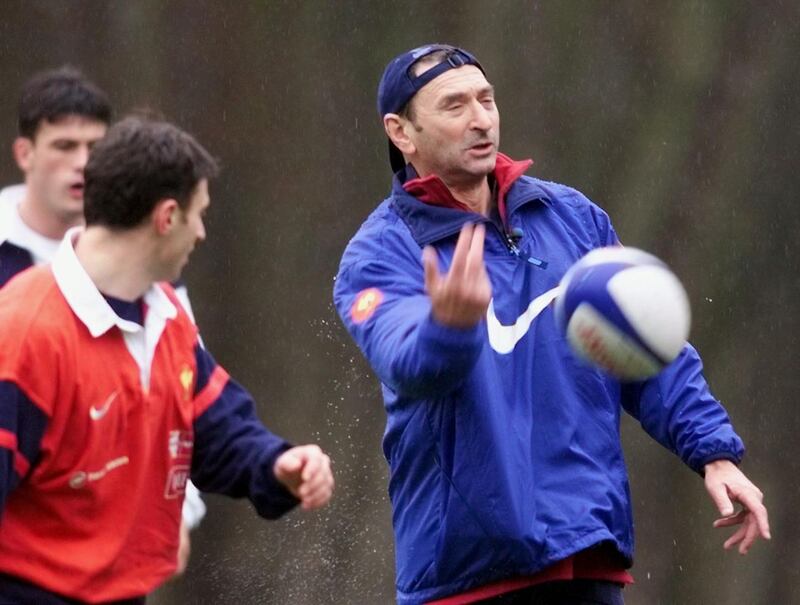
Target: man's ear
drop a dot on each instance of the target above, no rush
(396, 128)
(165, 215)
(22, 148)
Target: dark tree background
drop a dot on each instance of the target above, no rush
(679, 118)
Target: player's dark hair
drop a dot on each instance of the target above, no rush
(136, 165)
(55, 94)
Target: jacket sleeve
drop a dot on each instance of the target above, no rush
(380, 297)
(234, 453)
(677, 409)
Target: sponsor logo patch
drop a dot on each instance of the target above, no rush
(176, 482)
(96, 413)
(180, 445)
(81, 478)
(365, 305)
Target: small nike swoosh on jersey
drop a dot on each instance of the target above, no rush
(96, 413)
(502, 338)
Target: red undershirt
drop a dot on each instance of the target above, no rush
(432, 190)
(597, 563)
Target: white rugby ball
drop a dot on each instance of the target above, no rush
(624, 311)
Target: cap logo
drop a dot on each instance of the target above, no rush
(421, 51)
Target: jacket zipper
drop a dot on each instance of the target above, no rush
(515, 250)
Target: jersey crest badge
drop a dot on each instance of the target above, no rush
(186, 377)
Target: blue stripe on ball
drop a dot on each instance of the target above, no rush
(589, 285)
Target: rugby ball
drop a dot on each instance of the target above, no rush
(624, 311)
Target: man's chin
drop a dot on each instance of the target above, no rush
(484, 166)
(72, 209)
(484, 155)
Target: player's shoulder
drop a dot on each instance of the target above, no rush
(29, 292)
(170, 291)
(32, 310)
(9, 199)
(382, 217)
(570, 204)
(11, 195)
(553, 192)
(382, 233)
(182, 317)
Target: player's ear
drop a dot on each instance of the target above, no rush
(165, 215)
(22, 148)
(396, 128)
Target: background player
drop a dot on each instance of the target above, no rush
(61, 116)
(107, 399)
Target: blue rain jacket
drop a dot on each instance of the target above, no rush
(504, 449)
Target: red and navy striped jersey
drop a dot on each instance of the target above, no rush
(102, 421)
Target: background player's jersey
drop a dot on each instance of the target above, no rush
(20, 248)
(102, 421)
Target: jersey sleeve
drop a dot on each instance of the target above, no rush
(27, 390)
(22, 425)
(234, 453)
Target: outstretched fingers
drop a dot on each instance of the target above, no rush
(727, 486)
(736, 519)
(431, 265)
(745, 535)
(462, 250)
(752, 500)
(474, 262)
(459, 298)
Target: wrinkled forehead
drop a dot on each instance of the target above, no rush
(433, 63)
(466, 80)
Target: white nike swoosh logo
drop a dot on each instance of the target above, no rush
(98, 413)
(502, 338)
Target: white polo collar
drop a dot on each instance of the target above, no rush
(14, 230)
(9, 200)
(89, 304)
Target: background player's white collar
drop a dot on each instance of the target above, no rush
(14, 230)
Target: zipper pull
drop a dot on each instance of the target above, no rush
(512, 245)
(515, 236)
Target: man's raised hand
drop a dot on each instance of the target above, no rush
(460, 297)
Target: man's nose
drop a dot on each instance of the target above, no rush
(81, 157)
(481, 117)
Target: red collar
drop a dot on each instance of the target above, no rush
(432, 190)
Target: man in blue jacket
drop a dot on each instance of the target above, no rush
(507, 475)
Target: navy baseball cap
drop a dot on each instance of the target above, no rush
(398, 85)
